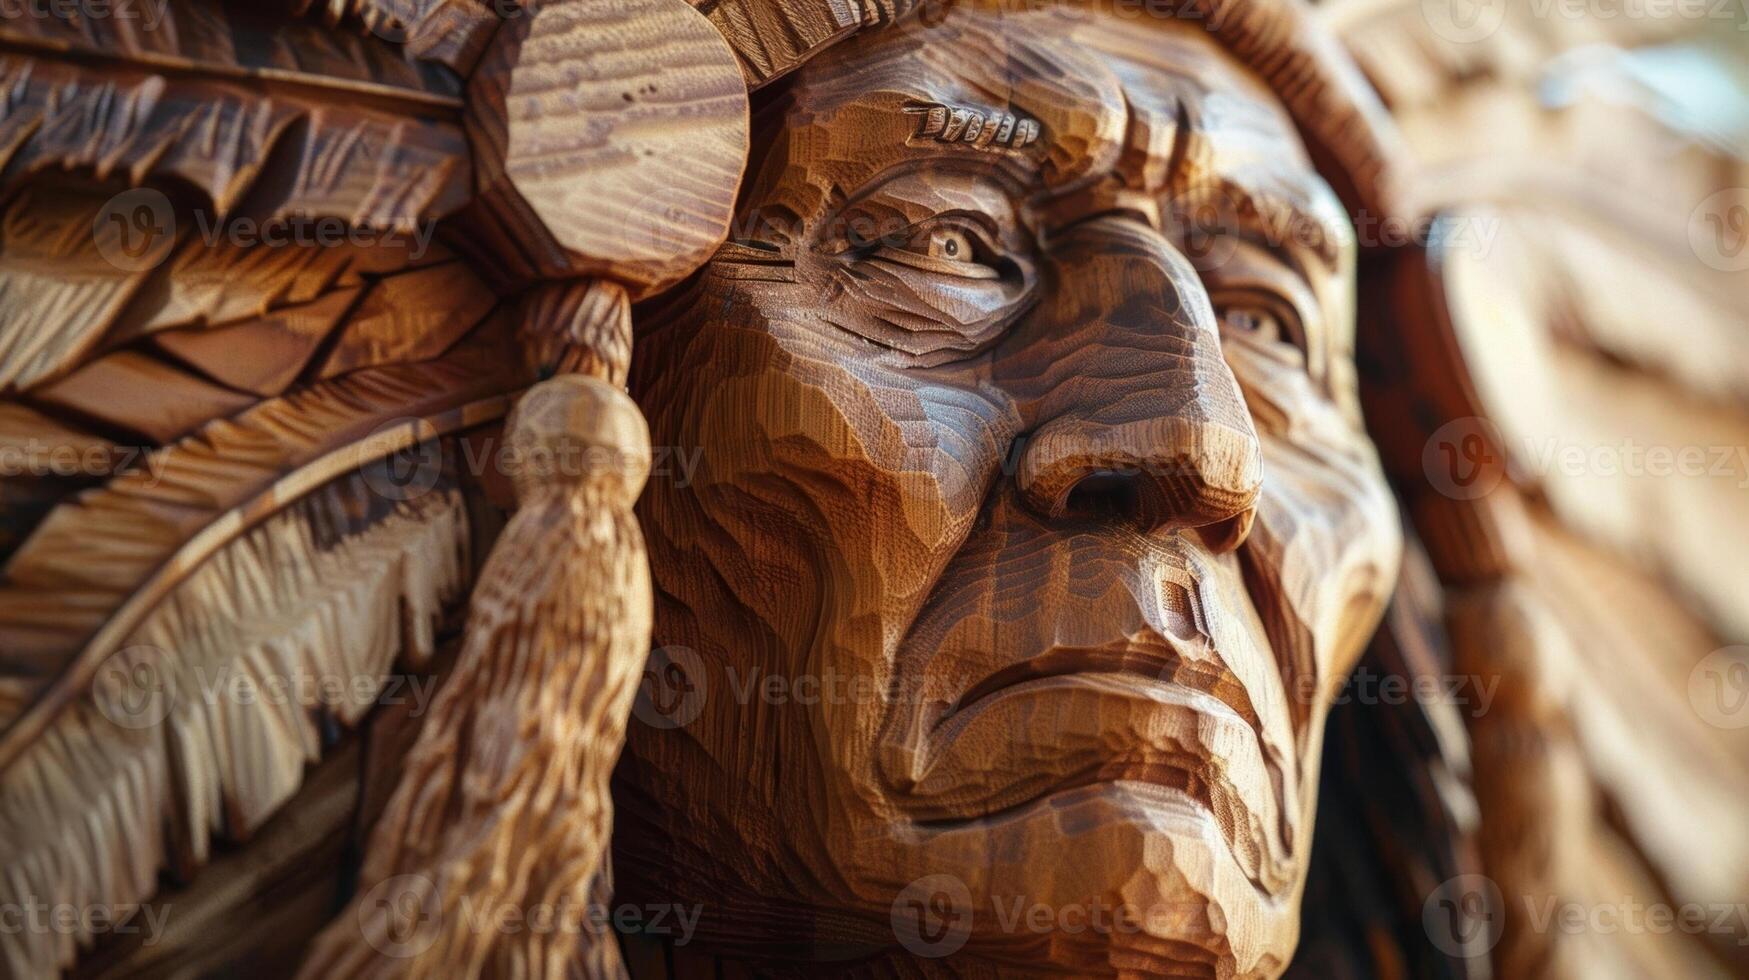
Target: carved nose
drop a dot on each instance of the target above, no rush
(1136, 416)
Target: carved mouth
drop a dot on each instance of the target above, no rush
(1129, 712)
(1149, 659)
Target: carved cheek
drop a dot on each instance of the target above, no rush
(1327, 534)
(875, 471)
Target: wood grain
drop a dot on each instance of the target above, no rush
(609, 137)
(504, 801)
(1053, 543)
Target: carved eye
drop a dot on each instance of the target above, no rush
(944, 246)
(1252, 322)
(1261, 324)
(951, 244)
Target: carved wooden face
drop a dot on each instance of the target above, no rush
(1032, 527)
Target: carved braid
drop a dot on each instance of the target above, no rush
(504, 801)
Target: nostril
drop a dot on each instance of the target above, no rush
(1105, 495)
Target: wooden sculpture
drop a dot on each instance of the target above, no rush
(1073, 538)
(890, 485)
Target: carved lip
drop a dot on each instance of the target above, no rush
(1225, 770)
(1149, 658)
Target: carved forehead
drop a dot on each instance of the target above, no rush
(1201, 121)
(995, 88)
(1174, 76)
(1053, 98)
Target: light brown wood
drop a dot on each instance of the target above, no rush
(1052, 545)
(504, 803)
(253, 404)
(1589, 329)
(1017, 508)
(610, 137)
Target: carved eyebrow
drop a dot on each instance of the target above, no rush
(1277, 224)
(1267, 217)
(944, 123)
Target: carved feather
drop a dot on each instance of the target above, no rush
(254, 550)
(139, 775)
(250, 123)
(453, 32)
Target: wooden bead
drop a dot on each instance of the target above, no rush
(610, 136)
(575, 431)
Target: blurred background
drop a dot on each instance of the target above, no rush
(1557, 371)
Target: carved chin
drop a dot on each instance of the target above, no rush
(1142, 878)
(1118, 741)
